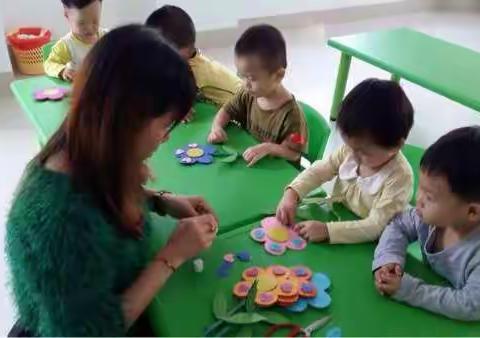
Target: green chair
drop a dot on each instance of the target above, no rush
(318, 132)
(46, 49)
(414, 156)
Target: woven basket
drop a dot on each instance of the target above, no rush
(28, 53)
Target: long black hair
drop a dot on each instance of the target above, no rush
(129, 77)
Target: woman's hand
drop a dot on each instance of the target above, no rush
(185, 206)
(191, 236)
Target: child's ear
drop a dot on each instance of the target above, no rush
(280, 74)
(474, 213)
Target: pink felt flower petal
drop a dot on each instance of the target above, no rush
(297, 243)
(258, 234)
(270, 222)
(40, 97)
(274, 248)
(56, 96)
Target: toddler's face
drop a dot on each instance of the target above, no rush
(84, 23)
(367, 153)
(259, 81)
(438, 205)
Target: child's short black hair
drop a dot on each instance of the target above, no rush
(456, 155)
(378, 109)
(78, 4)
(267, 43)
(174, 24)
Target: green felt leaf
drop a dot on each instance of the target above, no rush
(229, 150)
(245, 331)
(274, 317)
(250, 300)
(244, 318)
(229, 159)
(220, 304)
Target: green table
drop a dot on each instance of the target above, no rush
(237, 193)
(440, 66)
(184, 306)
(45, 116)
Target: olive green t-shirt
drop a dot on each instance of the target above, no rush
(268, 125)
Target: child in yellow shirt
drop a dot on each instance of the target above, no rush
(264, 107)
(68, 53)
(215, 82)
(372, 177)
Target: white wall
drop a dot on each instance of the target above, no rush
(221, 14)
(5, 65)
(49, 13)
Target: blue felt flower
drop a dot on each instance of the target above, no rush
(320, 301)
(195, 153)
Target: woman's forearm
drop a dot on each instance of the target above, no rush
(140, 294)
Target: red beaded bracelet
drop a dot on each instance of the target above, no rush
(167, 263)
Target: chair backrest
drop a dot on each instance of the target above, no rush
(46, 49)
(413, 155)
(318, 132)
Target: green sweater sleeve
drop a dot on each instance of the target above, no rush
(83, 278)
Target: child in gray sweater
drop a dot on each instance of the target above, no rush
(446, 223)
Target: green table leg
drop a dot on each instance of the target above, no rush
(395, 78)
(342, 76)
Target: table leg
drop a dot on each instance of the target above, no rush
(342, 76)
(395, 78)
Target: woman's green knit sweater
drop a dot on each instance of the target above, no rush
(69, 265)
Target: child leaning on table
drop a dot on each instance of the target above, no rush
(372, 177)
(446, 223)
(263, 107)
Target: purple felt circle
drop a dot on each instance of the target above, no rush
(286, 287)
(279, 271)
(265, 297)
(308, 287)
(243, 288)
(300, 272)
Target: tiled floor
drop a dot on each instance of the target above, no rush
(311, 77)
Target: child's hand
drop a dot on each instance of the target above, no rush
(388, 278)
(217, 135)
(68, 74)
(254, 154)
(287, 207)
(313, 231)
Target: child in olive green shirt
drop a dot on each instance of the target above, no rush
(263, 107)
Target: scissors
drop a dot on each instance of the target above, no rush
(296, 330)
